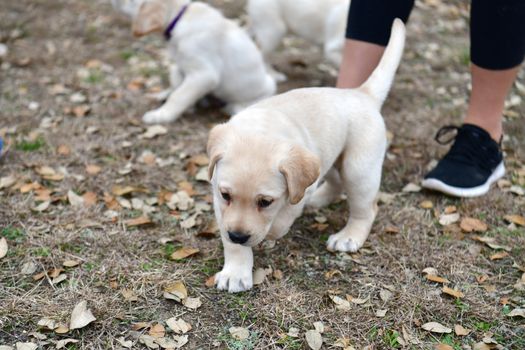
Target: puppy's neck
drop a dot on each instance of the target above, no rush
(173, 8)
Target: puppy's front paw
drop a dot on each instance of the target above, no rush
(278, 76)
(158, 116)
(234, 280)
(343, 242)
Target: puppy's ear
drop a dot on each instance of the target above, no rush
(300, 169)
(149, 18)
(215, 148)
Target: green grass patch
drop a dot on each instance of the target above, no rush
(126, 54)
(464, 57)
(30, 146)
(94, 77)
(210, 267)
(390, 339)
(449, 340)
(71, 248)
(483, 326)
(42, 252)
(169, 248)
(13, 234)
(291, 343)
(461, 306)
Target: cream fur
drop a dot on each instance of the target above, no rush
(211, 54)
(320, 22)
(283, 147)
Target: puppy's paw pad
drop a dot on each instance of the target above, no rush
(234, 281)
(342, 243)
(156, 116)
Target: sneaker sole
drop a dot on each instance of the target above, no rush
(437, 185)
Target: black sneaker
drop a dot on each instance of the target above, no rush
(473, 163)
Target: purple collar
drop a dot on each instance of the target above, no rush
(173, 23)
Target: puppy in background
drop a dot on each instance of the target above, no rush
(320, 22)
(212, 54)
(266, 163)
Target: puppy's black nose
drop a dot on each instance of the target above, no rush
(238, 237)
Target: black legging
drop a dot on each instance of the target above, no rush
(497, 28)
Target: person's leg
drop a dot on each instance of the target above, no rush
(487, 98)
(497, 37)
(367, 33)
(475, 160)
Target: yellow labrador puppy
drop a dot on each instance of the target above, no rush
(320, 22)
(212, 54)
(266, 163)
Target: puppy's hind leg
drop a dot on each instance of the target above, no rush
(334, 35)
(361, 177)
(194, 86)
(328, 192)
(269, 28)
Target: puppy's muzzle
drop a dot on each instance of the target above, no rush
(238, 237)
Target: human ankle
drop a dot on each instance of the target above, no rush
(495, 130)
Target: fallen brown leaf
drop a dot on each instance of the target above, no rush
(471, 224)
(157, 331)
(450, 209)
(154, 131)
(426, 204)
(499, 255)
(81, 110)
(436, 327)
(187, 187)
(200, 159)
(93, 169)
(139, 325)
(61, 329)
(7, 181)
(460, 330)
(482, 278)
(129, 295)
(239, 333)
(176, 291)
(391, 230)
(447, 219)
(184, 253)
(90, 199)
(192, 303)
(139, 221)
(210, 231)
(516, 219)
(278, 274)
(314, 339)
(179, 326)
(53, 273)
(210, 281)
(64, 150)
(81, 316)
(437, 279)
(71, 263)
(453, 292)
(118, 190)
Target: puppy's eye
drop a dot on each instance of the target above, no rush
(226, 196)
(264, 203)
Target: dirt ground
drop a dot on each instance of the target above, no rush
(72, 92)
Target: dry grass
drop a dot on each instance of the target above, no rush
(59, 37)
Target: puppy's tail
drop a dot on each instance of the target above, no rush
(379, 82)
